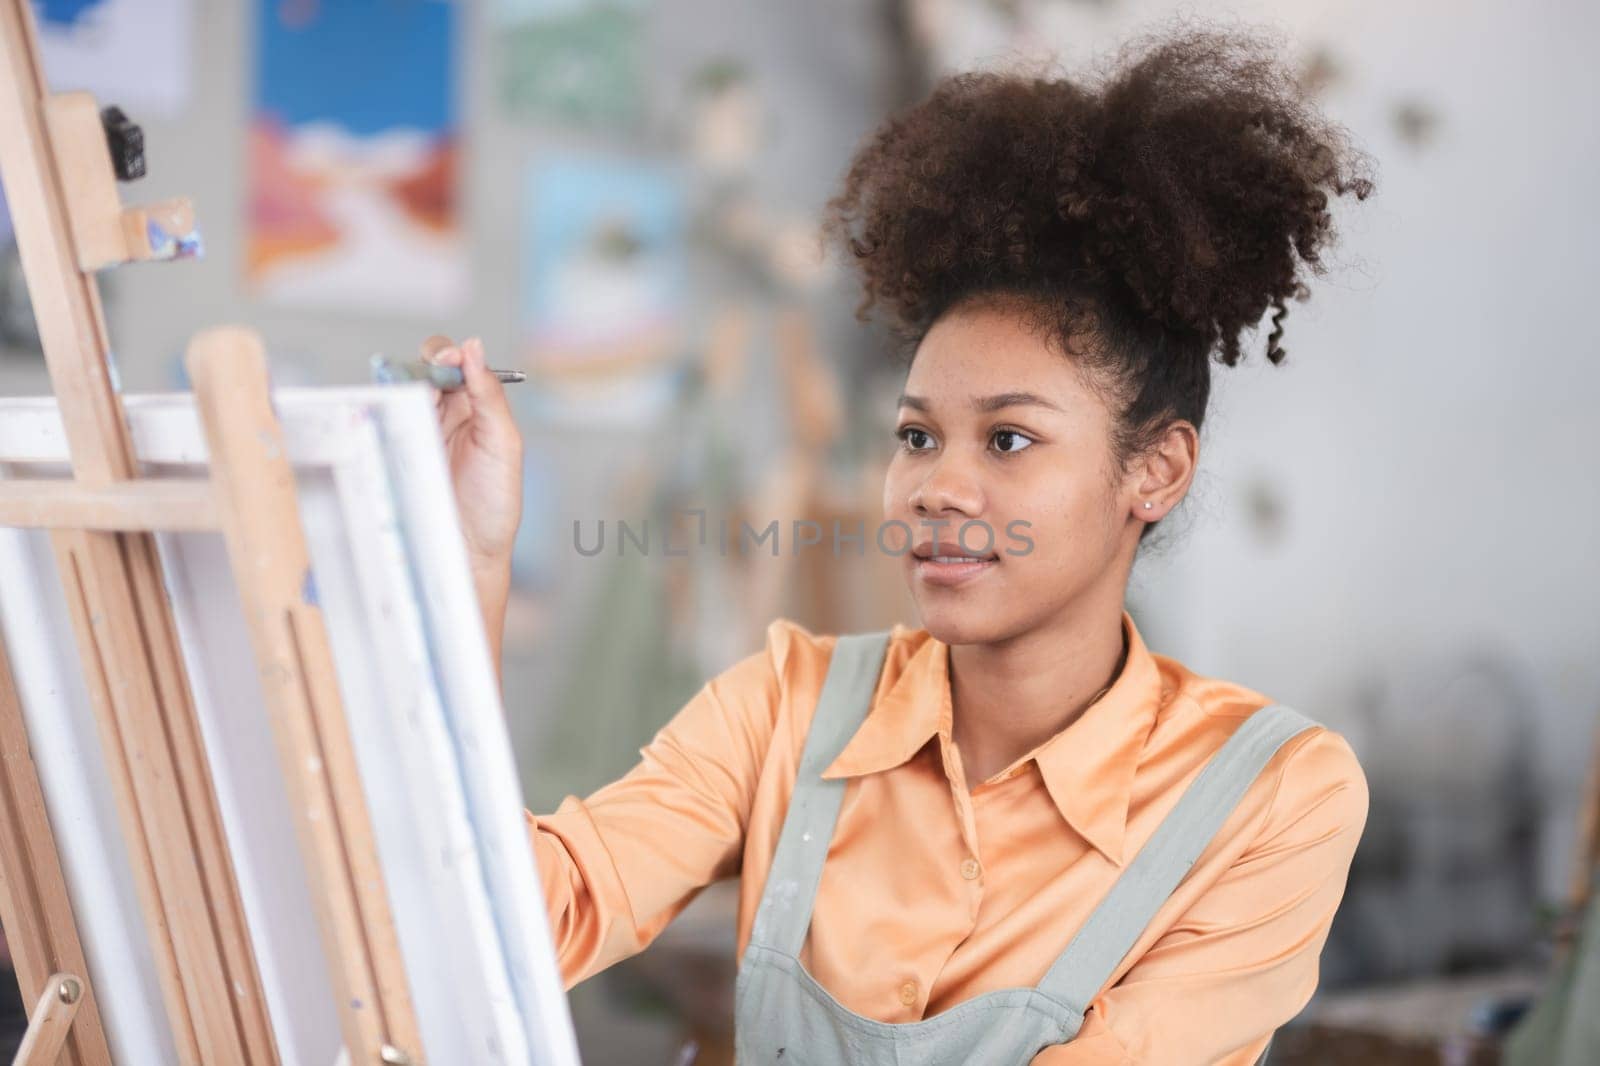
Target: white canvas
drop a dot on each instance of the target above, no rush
(423, 706)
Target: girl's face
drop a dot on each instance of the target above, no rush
(1004, 474)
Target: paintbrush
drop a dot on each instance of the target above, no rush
(386, 371)
(443, 378)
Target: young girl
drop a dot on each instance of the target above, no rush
(1015, 834)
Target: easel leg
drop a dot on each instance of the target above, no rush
(168, 813)
(34, 906)
(255, 492)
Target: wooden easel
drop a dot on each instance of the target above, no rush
(57, 167)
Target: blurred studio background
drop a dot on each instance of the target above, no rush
(1395, 531)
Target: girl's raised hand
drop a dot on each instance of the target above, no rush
(484, 448)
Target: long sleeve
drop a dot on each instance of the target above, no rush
(1243, 959)
(617, 866)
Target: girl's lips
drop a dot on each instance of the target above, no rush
(958, 571)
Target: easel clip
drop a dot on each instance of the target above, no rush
(104, 233)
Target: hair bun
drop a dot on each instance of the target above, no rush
(1206, 183)
(1188, 181)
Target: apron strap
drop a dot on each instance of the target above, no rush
(1122, 916)
(784, 914)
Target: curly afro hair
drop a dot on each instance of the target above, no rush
(1158, 209)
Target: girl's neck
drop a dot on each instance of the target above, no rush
(1009, 698)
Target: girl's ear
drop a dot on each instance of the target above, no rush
(1166, 471)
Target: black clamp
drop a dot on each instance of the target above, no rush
(126, 141)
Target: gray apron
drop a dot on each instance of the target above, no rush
(783, 1016)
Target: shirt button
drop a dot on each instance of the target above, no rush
(908, 993)
(969, 869)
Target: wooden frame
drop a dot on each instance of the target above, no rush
(130, 657)
(56, 168)
(369, 470)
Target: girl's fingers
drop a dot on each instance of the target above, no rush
(482, 395)
(434, 345)
(485, 389)
(455, 410)
(454, 406)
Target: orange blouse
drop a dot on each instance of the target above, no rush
(933, 893)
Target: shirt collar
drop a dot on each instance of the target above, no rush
(1088, 767)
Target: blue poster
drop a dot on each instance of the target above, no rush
(354, 156)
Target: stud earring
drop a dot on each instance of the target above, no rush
(1148, 505)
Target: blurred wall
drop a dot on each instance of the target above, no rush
(1426, 444)
(819, 69)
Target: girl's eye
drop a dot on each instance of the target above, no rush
(914, 439)
(1009, 440)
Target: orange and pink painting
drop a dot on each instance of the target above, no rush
(354, 157)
